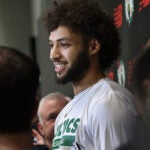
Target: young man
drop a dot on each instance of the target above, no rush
(84, 43)
(49, 108)
(19, 80)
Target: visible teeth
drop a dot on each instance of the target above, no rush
(59, 65)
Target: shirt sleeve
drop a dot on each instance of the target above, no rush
(112, 122)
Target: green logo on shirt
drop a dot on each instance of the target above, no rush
(65, 133)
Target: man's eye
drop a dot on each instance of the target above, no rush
(51, 46)
(65, 45)
(52, 117)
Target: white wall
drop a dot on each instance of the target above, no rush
(15, 24)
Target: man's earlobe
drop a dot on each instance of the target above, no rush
(95, 47)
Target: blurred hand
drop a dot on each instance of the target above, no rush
(38, 138)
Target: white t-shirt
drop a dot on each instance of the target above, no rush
(102, 117)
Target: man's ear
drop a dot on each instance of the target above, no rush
(40, 128)
(94, 47)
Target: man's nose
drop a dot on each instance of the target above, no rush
(54, 52)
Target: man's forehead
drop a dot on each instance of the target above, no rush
(62, 32)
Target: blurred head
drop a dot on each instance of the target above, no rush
(19, 80)
(87, 19)
(49, 108)
(141, 80)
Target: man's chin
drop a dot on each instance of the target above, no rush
(61, 80)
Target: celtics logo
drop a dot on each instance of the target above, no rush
(129, 10)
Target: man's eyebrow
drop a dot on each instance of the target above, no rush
(61, 39)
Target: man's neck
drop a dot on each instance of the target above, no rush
(86, 82)
(15, 141)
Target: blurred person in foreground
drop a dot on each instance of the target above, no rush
(141, 88)
(49, 108)
(19, 81)
(84, 43)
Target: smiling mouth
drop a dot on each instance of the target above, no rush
(59, 67)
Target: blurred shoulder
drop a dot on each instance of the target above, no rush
(38, 147)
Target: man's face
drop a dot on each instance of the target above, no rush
(69, 55)
(49, 111)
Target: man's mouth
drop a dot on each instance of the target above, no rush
(59, 67)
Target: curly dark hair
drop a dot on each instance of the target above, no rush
(87, 18)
